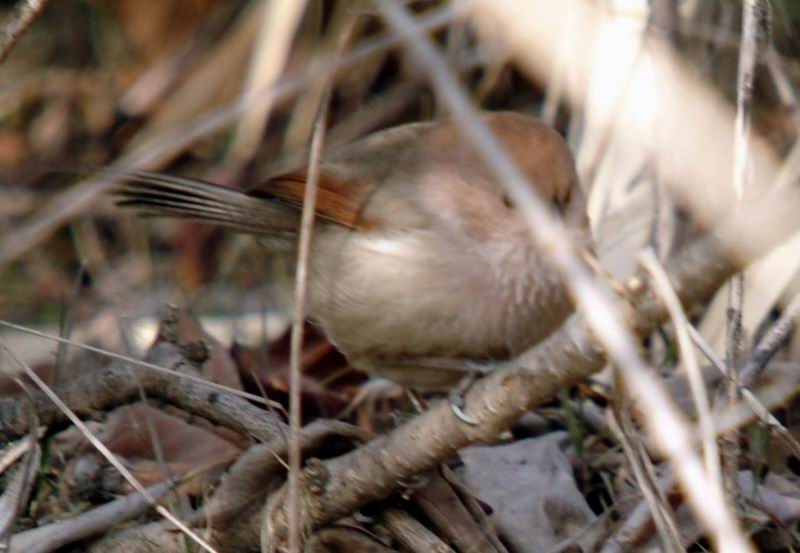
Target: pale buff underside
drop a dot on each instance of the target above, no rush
(461, 306)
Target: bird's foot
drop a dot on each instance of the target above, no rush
(456, 395)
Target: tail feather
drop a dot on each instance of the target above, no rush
(155, 194)
(153, 197)
(155, 206)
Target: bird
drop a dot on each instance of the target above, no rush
(421, 267)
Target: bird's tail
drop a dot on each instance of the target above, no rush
(159, 195)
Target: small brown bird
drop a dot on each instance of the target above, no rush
(420, 265)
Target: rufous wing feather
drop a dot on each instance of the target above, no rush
(337, 201)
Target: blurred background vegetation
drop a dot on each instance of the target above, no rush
(93, 81)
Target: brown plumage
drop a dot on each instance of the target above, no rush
(419, 261)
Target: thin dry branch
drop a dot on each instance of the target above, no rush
(770, 343)
(763, 414)
(412, 534)
(636, 530)
(653, 495)
(146, 365)
(18, 487)
(296, 352)
(91, 523)
(753, 20)
(115, 385)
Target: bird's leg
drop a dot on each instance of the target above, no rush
(436, 374)
(416, 400)
(456, 395)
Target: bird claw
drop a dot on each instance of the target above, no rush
(456, 395)
(462, 416)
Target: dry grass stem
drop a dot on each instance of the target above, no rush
(763, 414)
(697, 385)
(295, 383)
(659, 508)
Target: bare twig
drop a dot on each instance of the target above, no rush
(663, 25)
(770, 343)
(18, 488)
(91, 523)
(635, 531)
(26, 14)
(145, 364)
(306, 108)
(13, 451)
(654, 497)
(411, 533)
(306, 228)
(114, 385)
(295, 384)
(755, 14)
(237, 506)
(784, 88)
(760, 411)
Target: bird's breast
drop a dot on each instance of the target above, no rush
(411, 293)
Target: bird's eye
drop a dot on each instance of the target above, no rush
(558, 206)
(507, 201)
